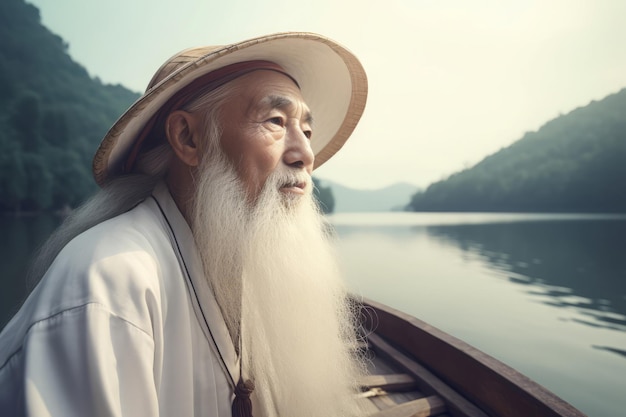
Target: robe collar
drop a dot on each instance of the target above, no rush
(204, 304)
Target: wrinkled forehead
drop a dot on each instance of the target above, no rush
(268, 90)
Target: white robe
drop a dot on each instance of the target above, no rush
(122, 324)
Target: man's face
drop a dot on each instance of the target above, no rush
(266, 127)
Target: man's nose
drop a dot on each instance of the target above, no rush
(298, 152)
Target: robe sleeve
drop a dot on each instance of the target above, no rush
(88, 349)
(87, 362)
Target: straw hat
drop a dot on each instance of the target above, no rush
(332, 81)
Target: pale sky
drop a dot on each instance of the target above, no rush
(450, 82)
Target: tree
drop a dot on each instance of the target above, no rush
(55, 129)
(25, 119)
(71, 180)
(12, 177)
(39, 182)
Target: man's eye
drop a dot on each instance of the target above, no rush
(308, 134)
(276, 121)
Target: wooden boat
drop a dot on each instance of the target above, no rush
(418, 370)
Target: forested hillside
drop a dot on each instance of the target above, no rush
(52, 115)
(574, 163)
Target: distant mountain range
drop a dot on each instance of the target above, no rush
(394, 197)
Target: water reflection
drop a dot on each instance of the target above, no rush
(577, 264)
(610, 349)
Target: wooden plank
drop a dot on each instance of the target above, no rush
(383, 402)
(426, 381)
(367, 406)
(405, 396)
(493, 386)
(388, 382)
(424, 407)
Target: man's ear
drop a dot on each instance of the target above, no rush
(181, 132)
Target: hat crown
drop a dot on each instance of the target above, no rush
(178, 61)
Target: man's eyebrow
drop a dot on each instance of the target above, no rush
(282, 102)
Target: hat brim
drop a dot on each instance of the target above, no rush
(332, 81)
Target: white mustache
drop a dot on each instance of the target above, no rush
(284, 179)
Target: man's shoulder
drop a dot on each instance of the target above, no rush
(130, 252)
(138, 230)
(120, 265)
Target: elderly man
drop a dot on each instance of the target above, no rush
(200, 281)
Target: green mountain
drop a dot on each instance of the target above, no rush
(574, 163)
(52, 115)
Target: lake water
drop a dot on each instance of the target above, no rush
(545, 294)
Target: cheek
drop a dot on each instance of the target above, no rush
(260, 162)
(256, 164)
(254, 152)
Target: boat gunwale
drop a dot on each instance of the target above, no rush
(493, 386)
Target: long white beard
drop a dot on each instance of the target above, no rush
(274, 274)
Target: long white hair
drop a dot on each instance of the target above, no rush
(125, 192)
